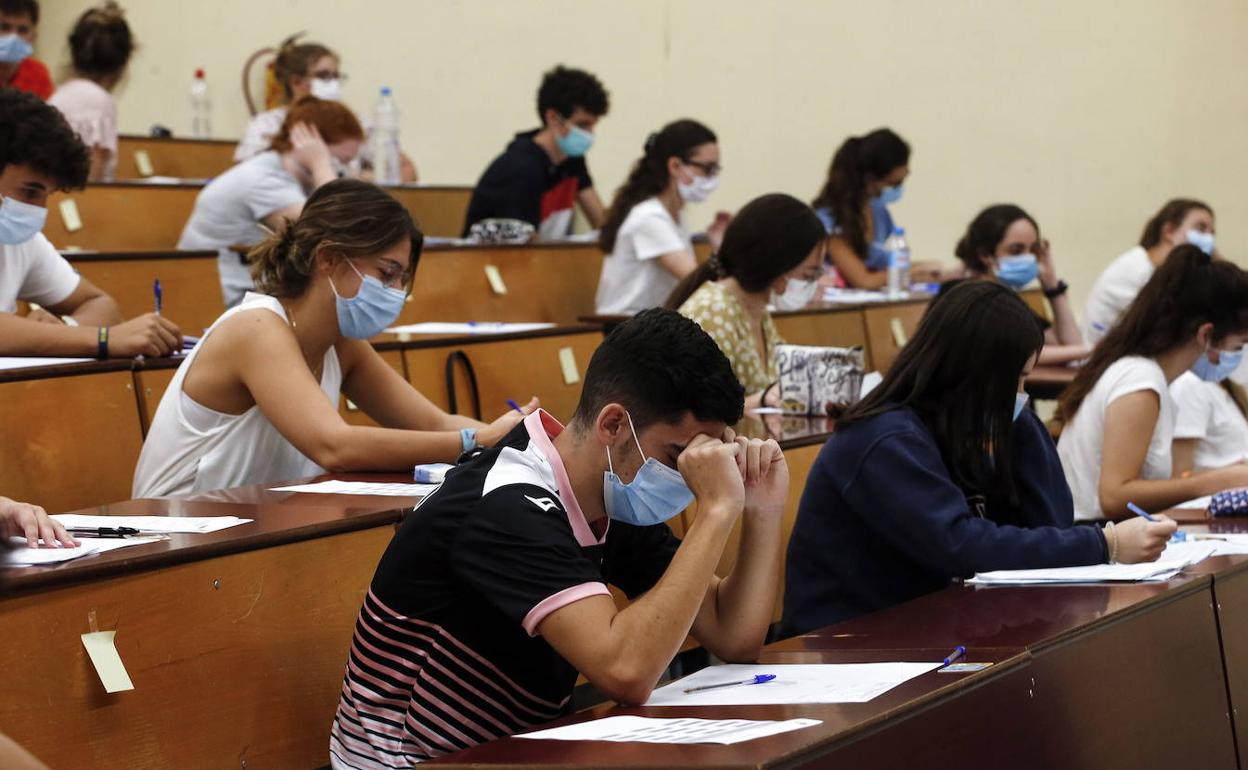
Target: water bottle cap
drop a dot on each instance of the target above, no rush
(199, 74)
(385, 90)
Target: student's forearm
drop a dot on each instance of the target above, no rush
(745, 601)
(22, 337)
(365, 448)
(1068, 332)
(14, 757)
(1159, 494)
(1060, 355)
(98, 311)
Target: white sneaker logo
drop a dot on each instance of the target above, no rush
(545, 503)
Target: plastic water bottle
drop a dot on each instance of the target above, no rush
(898, 263)
(201, 108)
(385, 139)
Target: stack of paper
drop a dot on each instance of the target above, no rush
(1230, 544)
(794, 683)
(649, 730)
(334, 487)
(25, 556)
(1172, 561)
(155, 524)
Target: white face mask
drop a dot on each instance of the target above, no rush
(797, 294)
(19, 221)
(699, 189)
(328, 89)
(1201, 240)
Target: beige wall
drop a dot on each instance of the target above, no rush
(1089, 113)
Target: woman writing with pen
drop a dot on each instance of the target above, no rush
(941, 472)
(256, 401)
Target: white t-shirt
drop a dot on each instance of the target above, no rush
(1114, 290)
(1208, 413)
(632, 277)
(33, 271)
(228, 210)
(191, 448)
(1083, 438)
(92, 112)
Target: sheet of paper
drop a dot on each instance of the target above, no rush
(1230, 544)
(1199, 503)
(472, 327)
(25, 556)
(869, 382)
(334, 487)
(766, 410)
(154, 524)
(1172, 561)
(628, 729)
(794, 683)
(16, 362)
(853, 296)
(102, 650)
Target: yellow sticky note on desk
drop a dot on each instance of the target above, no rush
(143, 163)
(496, 279)
(103, 654)
(567, 361)
(69, 215)
(900, 338)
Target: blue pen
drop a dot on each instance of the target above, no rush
(159, 296)
(1177, 537)
(958, 652)
(515, 406)
(759, 679)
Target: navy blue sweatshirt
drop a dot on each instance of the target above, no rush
(881, 521)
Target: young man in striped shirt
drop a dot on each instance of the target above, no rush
(493, 594)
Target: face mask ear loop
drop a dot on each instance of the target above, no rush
(610, 467)
(640, 451)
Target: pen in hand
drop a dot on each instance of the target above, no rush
(158, 295)
(515, 406)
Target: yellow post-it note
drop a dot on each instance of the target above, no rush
(103, 654)
(899, 333)
(496, 279)
(567, 361)
(351, 407)
(143, 162)
(69, 215)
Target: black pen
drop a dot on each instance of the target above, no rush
(103, 531)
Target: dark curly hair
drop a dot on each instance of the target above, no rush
(21, 8)
(100, 42)
(36, 135)
(564, 89)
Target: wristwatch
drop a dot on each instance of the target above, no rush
(1057, 290)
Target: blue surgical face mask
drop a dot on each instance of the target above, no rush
(890, 195)
(1020, 403)
(576, 142)
(370, 311)
(13, 48)
(1018, 270)
(1228, 361)
(1201, 240)
(656, 493)
(19, 222)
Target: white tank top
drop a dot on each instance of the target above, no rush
(191, 448)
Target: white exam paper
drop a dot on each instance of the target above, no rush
(25, 556)
(651, 730)
(1199, 504)
(334, 487)
(483, 327)
(194, 525)
(1230, 544)
(1172, 561)
(794, 683)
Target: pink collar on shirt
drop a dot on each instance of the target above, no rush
(542, 428)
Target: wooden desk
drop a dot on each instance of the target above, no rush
(123, 216)
(440, 209)
(188, 279)
(235, 641)
(174, 157)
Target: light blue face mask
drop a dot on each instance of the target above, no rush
(576, 142)
(656, 493)
(1201, 240)
(1020, 403)
(890, 195)
(19, 222)
(1018, 270)
(370, 311)
(13, 48)
(1228, 362)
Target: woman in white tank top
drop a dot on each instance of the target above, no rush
(257, 400)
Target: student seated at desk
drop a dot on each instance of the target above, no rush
(542, 173)
(865, 178)
(493, 593)
(1003, 244)
(772, 252)
(1118, 412)
(257, 400)
(100, 45)
(18, 68)
(39, 154)
(648, 249)
(307, 69)
(1180, 221)
(269, 189)
(1211, 421)
(941, 472)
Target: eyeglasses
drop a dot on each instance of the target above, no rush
(329, 75)
(710, 169)
(392, 275)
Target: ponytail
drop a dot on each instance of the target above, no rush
(649, 176)
(844, 194)
(710, 270)
(1188, 290)
(1173, 214)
